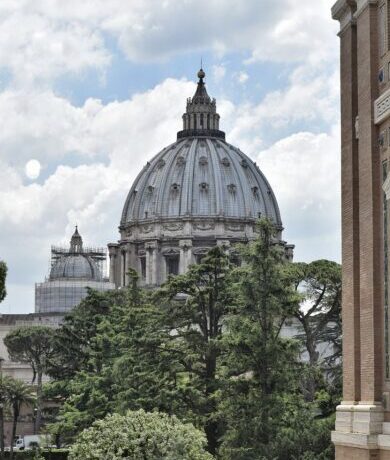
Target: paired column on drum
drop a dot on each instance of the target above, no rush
(185, 255)
(152, 262)
(112, 252)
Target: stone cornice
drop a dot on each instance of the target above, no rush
(362, 5)
(343, 11)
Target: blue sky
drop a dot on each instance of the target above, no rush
(90, 91)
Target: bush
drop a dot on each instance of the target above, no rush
(140, 435)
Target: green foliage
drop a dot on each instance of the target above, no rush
(3, 275)
(263, 366)
(17, 394)
(32, 345)
(206, 347)
(197, 341)
(319, 284)
(140, 436)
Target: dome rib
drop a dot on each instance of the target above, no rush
(217, 179)
(190, 177)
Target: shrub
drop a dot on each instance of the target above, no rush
(140, 435)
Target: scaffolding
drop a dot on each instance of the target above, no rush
(61, 294)
(98, 255)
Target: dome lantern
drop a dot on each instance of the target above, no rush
(201, 117)
(76, 242)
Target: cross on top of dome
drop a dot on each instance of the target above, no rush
(201, 118)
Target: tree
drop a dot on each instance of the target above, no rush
(195, 332)
(17, 395)
(3, 292)
(161, 355)
(3, 275)
(98, 347)
(319, 284)
(74, 339)
(32, 345)
(262, 367)
(140, 436)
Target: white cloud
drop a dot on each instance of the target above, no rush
(35, 47)
(49, 128)
(55, 38)
(219, 72)
(304, 171)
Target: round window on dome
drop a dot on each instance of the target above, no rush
(175, 187)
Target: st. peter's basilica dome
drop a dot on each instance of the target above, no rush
(196, 193)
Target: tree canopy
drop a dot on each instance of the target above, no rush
(32, 345)
(140, 435)
(3, 275)
(207, 348)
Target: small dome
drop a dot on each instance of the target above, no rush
(75, 266)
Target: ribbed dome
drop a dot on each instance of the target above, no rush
(200, 177)
(75, 266)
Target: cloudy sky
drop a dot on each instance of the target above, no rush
(91, 90)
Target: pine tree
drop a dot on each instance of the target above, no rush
(262, 366)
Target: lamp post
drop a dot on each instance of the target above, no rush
(1, 410)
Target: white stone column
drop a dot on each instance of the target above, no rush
(185, 255)
(112, 251)
(123, 266)
(151, 263)
(127, 263)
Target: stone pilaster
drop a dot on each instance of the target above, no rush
(151, 248)
(344, 12)
(370, 208)
(128, 265)
(185, 255)
(113, 251)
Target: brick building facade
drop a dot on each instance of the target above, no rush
(363, 418)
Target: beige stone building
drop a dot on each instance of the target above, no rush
(363, 418)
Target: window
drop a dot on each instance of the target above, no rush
(143, 267)
(172, 263)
